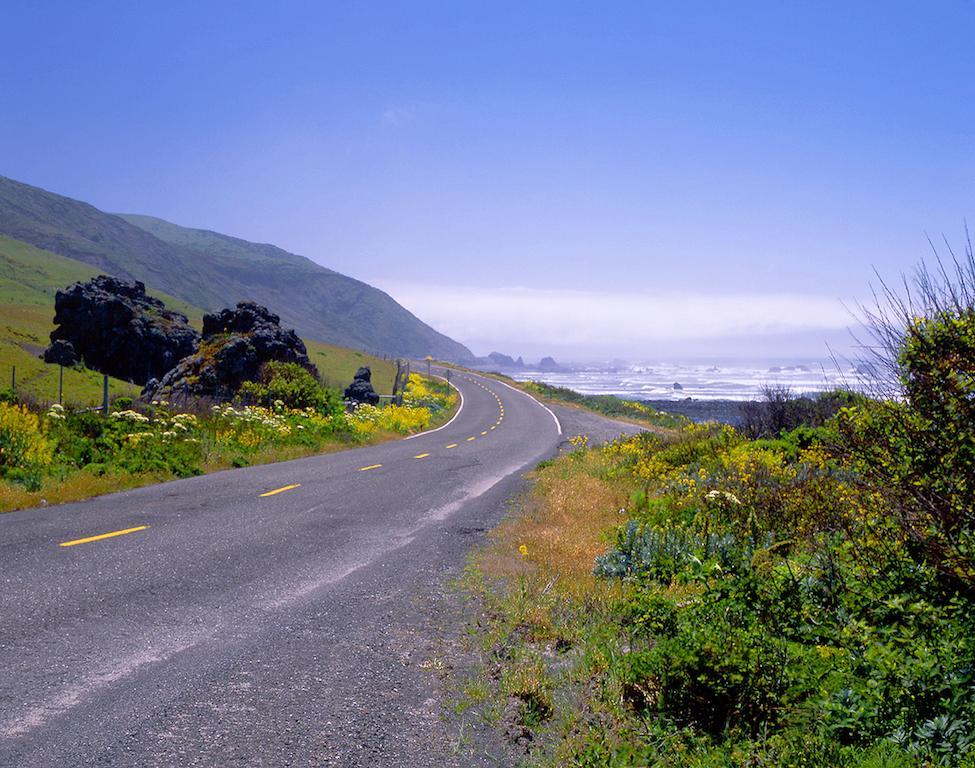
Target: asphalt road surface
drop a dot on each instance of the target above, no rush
(283, 615)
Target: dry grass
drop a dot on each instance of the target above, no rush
(76, 486)
(563, 524)
(540, 606)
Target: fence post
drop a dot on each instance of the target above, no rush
(13, 378)
(60, 385)
(105, 395)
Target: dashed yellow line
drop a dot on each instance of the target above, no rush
(101, 536)
(452, 445)
(421, 455)
(494, 426)
(471, 438)
(371, 466)
(276, 491)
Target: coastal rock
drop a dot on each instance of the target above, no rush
(236, 343)
(360, 390)
(678, 386)
(501, 360)
(115, 328)
(548, 365)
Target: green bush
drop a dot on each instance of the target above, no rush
(291, 386)
(24, 447)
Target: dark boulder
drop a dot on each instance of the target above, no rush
(236, 343)
(360, 390)
(115, 328)
(61, 352)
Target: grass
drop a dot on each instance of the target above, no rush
(29, 278)
(339, 364)
(538, 599)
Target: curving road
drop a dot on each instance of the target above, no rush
(272, 616)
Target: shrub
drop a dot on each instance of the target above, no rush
(433, 395)
(292, 386)
(660, 554)
(394, 418)
(24, 448)
(916, 446)
(781, 411)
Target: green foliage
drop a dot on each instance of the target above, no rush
(755, 623)
(291, 386)
(155, 442)
(920, 450)
(24, 448)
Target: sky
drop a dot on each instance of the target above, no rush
(579, 179)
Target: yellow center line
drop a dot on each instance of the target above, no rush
(471, 438)
(371, 466)
(484, 432)
(452, 445)
(276, 491)
(101, 536)
(494, 426)
(421, 455)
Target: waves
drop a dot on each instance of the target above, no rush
(704, 380)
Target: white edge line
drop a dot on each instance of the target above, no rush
(558, 423)
(431, 431)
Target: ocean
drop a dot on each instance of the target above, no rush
(699, 380)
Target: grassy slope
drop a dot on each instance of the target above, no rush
(329, 305)
(29, 278)
(212, 271)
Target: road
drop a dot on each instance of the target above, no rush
(282, 615)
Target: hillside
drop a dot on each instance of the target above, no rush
(210, 271)
(29, 278)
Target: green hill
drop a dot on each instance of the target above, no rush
(29, 278)
(211, 271)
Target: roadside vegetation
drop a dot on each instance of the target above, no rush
(698, 597)
(56, 453)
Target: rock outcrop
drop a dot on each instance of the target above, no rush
(549, 365)
(115, 328)
(236, 343)
(502, 360)
(360, 390)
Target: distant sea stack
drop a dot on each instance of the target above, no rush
(503, 361)
(548, 365)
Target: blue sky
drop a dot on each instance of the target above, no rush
(587, 179)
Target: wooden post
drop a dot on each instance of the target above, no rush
(105, 395)
(60, 385)
(13, 378)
